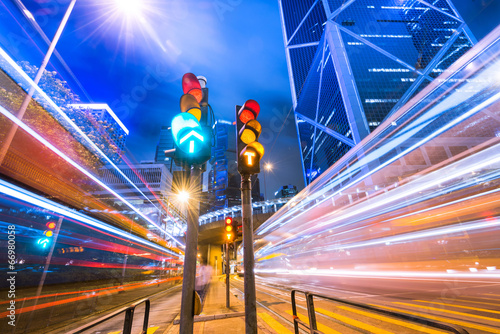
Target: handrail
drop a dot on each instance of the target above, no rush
(127, 323)
(312, 314)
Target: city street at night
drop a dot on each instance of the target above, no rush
(286, 166)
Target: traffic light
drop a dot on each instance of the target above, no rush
(46, 240)
(191, 85)
(190, 129)
(229, 229)
(248, 130)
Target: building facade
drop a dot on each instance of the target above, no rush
(102, 126)
(149, 190)
(353, 63)
(287, 191)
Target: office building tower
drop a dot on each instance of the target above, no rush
(353, 63)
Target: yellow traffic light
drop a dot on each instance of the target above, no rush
(189, 104)
(250, 131)
(250, 151)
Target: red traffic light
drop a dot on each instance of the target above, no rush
(191, 85)
(250, 110)
(51, 225)
(229, 224)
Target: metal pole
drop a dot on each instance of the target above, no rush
(27, 99)
(248, 256)
(187, 300)
(123, 269)
(265, 186)
(227, 274)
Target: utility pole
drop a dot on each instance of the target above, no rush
(189, 276)
(227, 274)
(248, 256)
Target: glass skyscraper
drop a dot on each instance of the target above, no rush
(353, 62)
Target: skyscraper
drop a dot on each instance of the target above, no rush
(166, 142)
(352, 63)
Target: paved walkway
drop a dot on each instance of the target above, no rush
(216, 318)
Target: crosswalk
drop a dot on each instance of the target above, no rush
(472, 313)
(151, 330)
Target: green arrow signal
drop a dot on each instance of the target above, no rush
(187, 131)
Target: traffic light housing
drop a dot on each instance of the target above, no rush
(48, 233)
(248, 130)
(190, 129)
(229, 231)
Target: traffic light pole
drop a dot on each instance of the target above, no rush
(248, 256)
(189, 276)
(227, 274)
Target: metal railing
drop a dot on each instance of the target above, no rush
(127, 323)
(312, 327)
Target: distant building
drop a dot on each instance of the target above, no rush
(224, 181)
(286, 191)
(149, 191)
(149, 178)
(218, 175)
(353, 63)
(166, 142)
(105, 128)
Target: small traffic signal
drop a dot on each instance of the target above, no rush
(46, 240)
(228, 228)
(248, 130)
(190, 131)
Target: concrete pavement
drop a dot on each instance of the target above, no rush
(216, 318)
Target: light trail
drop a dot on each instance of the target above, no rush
(35, 200)
(42, 140)
(46, 98)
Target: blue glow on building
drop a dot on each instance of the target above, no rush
(353, 63)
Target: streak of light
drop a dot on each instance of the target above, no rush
(421, 123)
(80, 168)
(80, 291)
(75, 299)
(394, 275)
(19, 71)
(42, 202)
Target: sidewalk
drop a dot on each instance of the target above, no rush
(216, 318)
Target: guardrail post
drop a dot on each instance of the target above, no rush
(311, 313)
(129, 317)
(145, 324)
(294, 313)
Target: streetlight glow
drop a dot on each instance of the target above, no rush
(183, 196)
(268, 166)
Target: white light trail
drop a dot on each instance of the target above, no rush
(39, 201)
(80, 168)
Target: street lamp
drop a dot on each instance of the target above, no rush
(268, 167)
(183, 196)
